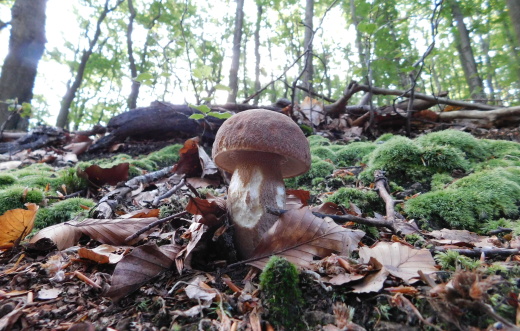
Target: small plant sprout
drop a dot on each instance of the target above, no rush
(206, 111)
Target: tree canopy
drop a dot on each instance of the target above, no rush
(124, 54)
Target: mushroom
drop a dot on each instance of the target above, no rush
(259, 147)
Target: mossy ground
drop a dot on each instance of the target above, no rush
(488, 191)
(37, 181)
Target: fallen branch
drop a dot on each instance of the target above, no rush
(477, 252)
(491, 115)
(436, 100)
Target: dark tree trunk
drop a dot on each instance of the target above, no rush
(467, 58)
(26, 46)
(514, 13)
(235, 61)
(259, 11)
(307, 43)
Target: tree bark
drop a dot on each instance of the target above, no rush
(359, 38)
(259, 11)
(134, 92)
(307, 42)
(26, 46)
(514, 13)
(235, 61)
(467, 58)
(62, 120)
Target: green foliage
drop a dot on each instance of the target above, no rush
(206, 111)
(61, 211)
(16, 197)
(354, 153)
(279, 282)
(366, 200)
(481, 196)
(452, 261)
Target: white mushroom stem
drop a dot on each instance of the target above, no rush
(256, 184)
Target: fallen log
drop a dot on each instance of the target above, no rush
(491, 116)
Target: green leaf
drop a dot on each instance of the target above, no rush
(196, 116)
(368, 28)
(220, 115)
(143, 76)
(222, 87)
(202, 108)
(26, 109)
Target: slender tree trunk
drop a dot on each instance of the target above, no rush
(514, 13)
(134, 91)
(490, 69)
(235, 61)
(467, 59)
(26, 46)
(62, 120)
(307, 42)
(259, 11)
(359, 38)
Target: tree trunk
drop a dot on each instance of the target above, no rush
(235, 61)
(307, 42)
(26, 46)
(63, 115)
(259, 11)
(359, 38)
(467, 59)
(134, 92)
(514, 13)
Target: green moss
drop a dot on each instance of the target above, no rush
(17, 196)
(400, 157)
(354, 153)
(384, 137)
(452, 260)
(323, 153)
(166, 156)
(482, 196)
(465, 142)
(443, 158)
(440, 180)
(366, 200)
(61, 211)
(280, 285)
(6, 180)
(319, 169)
(316, 140)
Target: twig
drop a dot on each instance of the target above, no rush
(170, 192)
(477, 252)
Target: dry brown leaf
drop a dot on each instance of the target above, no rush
(462, 238)
(142, 213)
(64, 235)
(15, 224)
(303, 196)
(114, 231)
(111, 176)
(197, 182)
(299, 236)
(197, 292)
(103, 254)
(137, 268)
(313, 110)
(399, 260)
(198, 206)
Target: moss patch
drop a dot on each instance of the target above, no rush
(61, 211)
(16, 197)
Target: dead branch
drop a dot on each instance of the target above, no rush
(491, 115)
(432, 98)
(477, 252)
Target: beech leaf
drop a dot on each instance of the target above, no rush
(400, 260)
(15, 224)
(115, 231)
(64, 235)
(111, 176)
(138, 267)
(299, 236)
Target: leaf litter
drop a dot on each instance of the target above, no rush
(176, 272)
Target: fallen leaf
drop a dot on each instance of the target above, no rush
(399, 260)
(15, 224)
(303, 196)
(203, 207)
(194, 161)
(64, 235)
(138, 267)
(103, 254)
(197, 292)
(142, 213)
(48, 294)
(299, 236)
(111, 176)
(313, 110)
(115, 231)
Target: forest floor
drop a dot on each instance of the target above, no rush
(43, 288)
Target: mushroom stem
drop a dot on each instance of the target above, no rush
(257, 183)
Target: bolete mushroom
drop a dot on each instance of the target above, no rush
(259, 147)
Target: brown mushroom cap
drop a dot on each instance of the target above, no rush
(263, 131)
